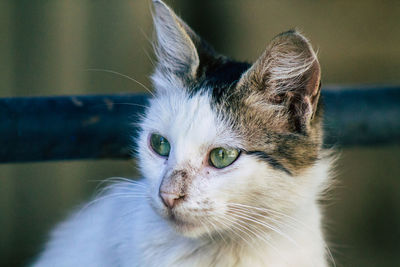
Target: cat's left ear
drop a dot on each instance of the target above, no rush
(287, 76)
(179, 49)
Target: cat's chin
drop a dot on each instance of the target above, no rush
(185, 227)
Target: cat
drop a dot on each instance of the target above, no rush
(232, 162)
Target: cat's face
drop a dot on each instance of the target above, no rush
(224, 143)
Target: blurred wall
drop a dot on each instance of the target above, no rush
(48, 47)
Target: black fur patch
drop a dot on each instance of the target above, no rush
(225, 77)
(219, 76)
(271, 161)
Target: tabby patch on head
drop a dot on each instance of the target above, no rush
(228, 124)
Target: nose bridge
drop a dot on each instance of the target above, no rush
(173, 187)
(175, 182)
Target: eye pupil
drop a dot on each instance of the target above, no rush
(221, 153)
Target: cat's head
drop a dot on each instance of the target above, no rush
(221, 137)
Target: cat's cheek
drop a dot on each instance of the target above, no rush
(209, 186)
(152, 170)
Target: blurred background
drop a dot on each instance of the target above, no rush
(47, 47)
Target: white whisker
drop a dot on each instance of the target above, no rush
(290, 218)
(234, 223)
(260, 236)
(125, 76)
(112, 196)
(246, 216)
(216, 230)
(207, 230)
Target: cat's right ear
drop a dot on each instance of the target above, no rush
(177, 56)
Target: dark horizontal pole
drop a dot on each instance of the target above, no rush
(68, 127)
(102, 126)
(362, 116)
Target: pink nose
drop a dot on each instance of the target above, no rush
(171, 199)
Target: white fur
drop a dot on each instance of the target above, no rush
(126, 228)
(247, 214)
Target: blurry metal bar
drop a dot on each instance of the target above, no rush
(364, 116)
(102, 126)
(68, 127)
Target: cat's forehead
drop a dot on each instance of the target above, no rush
(188, 110)
(189, 120)
(215, 78)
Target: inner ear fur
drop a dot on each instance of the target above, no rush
(288, 75)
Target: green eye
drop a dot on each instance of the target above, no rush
(223, 157)
(160, 145)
